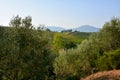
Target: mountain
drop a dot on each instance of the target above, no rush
(54, 28)
(86, 28)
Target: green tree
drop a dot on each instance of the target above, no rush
(110, 34)
(26, 52)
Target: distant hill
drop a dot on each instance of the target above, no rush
(54, 28)
(86, 28)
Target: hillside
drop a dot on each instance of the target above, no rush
(81, 34)
(68, 40)
(76, 37)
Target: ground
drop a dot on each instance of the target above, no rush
(105, 75)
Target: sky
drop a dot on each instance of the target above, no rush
(62, 13)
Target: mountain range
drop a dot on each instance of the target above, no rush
(55, 28)
(84, 28)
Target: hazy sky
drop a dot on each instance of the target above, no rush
(64, 13)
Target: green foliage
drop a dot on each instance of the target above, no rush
(25, 52)
(68, 40)
(83, 35)
(63, 65)
(110, 34)
(97, 53)
(110, 60)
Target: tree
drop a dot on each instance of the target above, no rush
(27, 52)
(111, 34)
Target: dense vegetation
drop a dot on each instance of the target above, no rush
(68, 40)
(24, 52)
(99, 52)
(27, 53)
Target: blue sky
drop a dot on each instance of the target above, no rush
(64, 13)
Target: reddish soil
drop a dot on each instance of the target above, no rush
(105, 75)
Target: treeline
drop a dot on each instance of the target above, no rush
(27, 53)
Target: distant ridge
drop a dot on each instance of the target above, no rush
(55, 28)
(86, 28)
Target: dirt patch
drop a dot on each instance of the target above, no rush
(105, 75)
